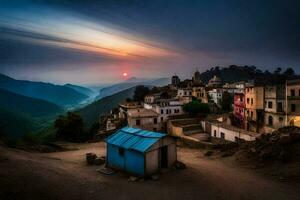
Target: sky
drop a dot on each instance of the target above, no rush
(91, 42)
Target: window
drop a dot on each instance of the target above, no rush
(270, 120)
(161, 119)
(236, 139)
(251, 114)
(251, 101)
(270, 104)
(222, 135)
(121, 151)
(299, 92)
(248, 100)
(161, 111)
(280, 106)
(155, 120)
(292, 92)
(293, 107)
(215, 133)
(138, 122)
(167, 111)
(280, 119)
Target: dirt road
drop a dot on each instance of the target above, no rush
(64, 175)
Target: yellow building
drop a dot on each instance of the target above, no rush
(200, 93)
(254, 97)
(293, 102)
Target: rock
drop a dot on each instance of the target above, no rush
(155, 177)
(284, 156)
(208, 153)
(252, 150)
(90, 158)
(285, 139)
(99, 161)
(133, 179)
(179, 165)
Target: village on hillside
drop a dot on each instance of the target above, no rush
(240, 111)
(142, 134)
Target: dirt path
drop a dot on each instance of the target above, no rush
(64, 175)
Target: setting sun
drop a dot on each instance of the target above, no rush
(125, 74)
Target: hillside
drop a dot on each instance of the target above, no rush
(30, 106)
(132, 82)
(235, 73)
(14, 124)
(83, 90)
(60, 95)
(91, 113)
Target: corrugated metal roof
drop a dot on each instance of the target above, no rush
(134, 138)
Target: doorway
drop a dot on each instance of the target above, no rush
(164, 157)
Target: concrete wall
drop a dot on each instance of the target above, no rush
(152, 162)
(146, 123)
(172, 154)
(230, 135)
(153, 155)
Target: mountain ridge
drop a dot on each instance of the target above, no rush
(58, 94)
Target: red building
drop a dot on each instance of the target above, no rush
(239, 110)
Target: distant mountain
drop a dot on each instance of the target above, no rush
(30, 106)
(235, 73)
(60, 95)
(132, 82)
(91, 112)
(83, 90)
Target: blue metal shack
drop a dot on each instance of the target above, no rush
(140, 152)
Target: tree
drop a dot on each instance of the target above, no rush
(278, 70)
(70, 127)
(195, 107)
(226, 102)
(140, 92)
(289, 72)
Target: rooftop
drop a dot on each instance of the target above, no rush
(134, 138)
(142, 112)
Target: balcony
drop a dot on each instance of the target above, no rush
(293, 97)
(251, 119)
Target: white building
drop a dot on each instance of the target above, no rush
(168, 107)
(227, 132)
(216, 95)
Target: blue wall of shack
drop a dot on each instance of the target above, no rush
(132, 161)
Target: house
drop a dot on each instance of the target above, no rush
(239, 110)
(254, 115)
(197, 78)
(184, 95)
(231, 133)
(175, 80)
(216, 95)
(274, 107)
(215, 82)
(140, 152)
(126, 106)
(145, 119)
(168, 107)
(293, 102)
(200, 93)
(232, 88)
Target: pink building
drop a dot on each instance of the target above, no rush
(239, 110)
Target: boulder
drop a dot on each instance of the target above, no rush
(99, 161)
(179, 165)
(90, 158)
